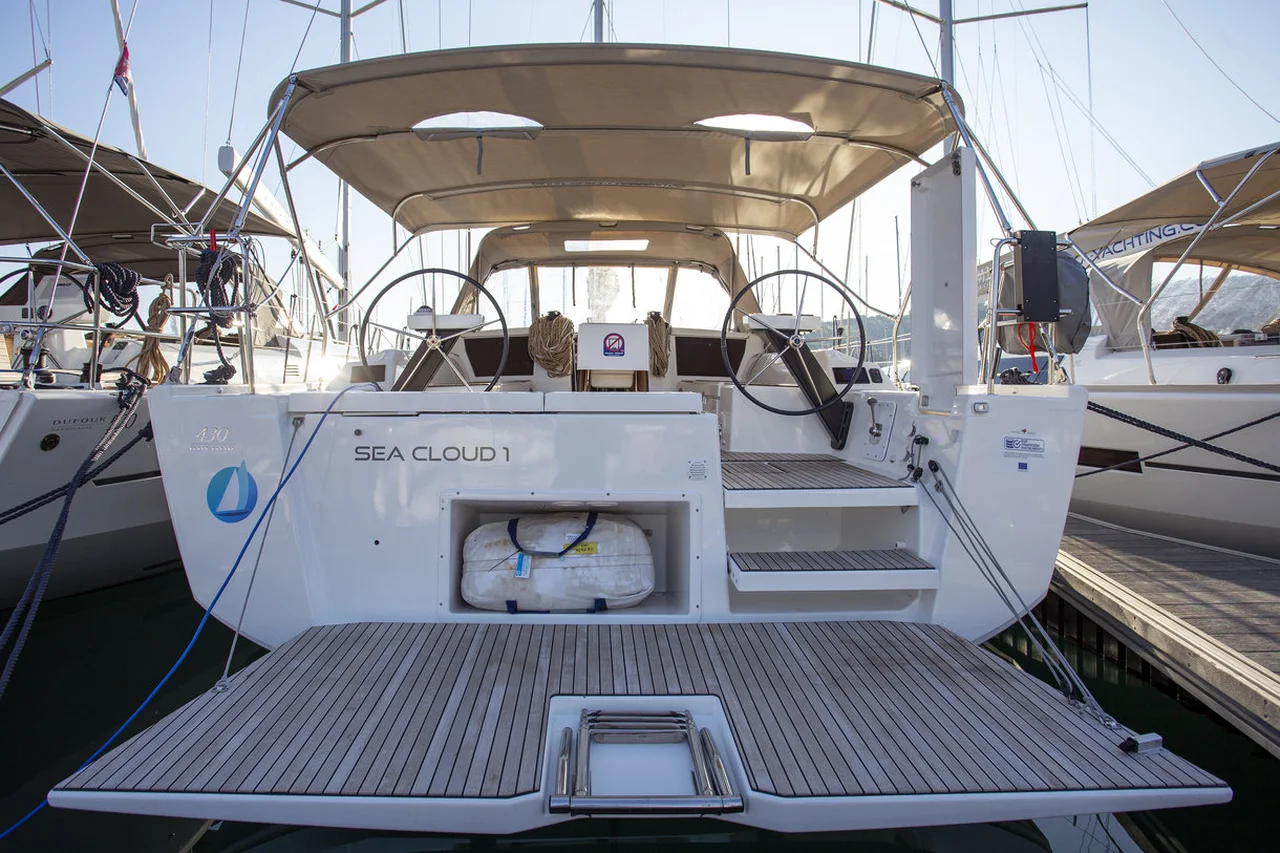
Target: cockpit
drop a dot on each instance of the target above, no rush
(577, 307)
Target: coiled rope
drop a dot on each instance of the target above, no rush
(1198, 336)
(117, 289)
(551, 343)
(218, 268)
(18, 626)
(151, 362)
(659, 343)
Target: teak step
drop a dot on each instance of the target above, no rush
(767, 480)
(819, 571)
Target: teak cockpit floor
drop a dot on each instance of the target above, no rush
(459, 710)
(797, 471)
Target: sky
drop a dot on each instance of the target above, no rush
(1152, 90)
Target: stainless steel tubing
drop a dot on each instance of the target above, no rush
(582, 778)
(717, 764)
(701, 778)
(562, 762)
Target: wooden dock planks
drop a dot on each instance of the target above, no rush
(1229, 596)
(459, 710)
(1209, 619)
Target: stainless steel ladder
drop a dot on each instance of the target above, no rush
(713, 790)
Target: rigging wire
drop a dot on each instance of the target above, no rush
(1059, 133)
(1070, 155)
(235, 92)
(301, 44)
(933, 64)
(1214, 63)
(93, 149)
(1041, 58)
(208, 76)
(35, 17)
(582, 36)
(1093, 168)
(31, 7)
(48, 16)
(871, 31)
(1004, 102)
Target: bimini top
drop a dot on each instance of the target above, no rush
(611, 133)
(140, 255)
(1187, 201)
(51, 172)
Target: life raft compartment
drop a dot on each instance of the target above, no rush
(557, 562)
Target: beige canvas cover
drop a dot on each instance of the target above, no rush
(543, 244)
(618, 138)
(52, 174)
(1185, 201)
(1118, 315)
(141, 256)
(1248, 248)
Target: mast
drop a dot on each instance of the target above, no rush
(599, 17)
(133, 90)
(946, 53)
(344, 191)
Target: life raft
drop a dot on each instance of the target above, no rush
(569, 561)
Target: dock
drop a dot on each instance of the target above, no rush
(1207, 618)
(826, 725)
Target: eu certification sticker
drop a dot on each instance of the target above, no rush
(1023, 447)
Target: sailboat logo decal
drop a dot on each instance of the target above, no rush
(232, 494)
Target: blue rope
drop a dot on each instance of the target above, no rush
(208, 610)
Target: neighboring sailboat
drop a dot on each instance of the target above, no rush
(1220, 385)
(783, 564)
(53, 409)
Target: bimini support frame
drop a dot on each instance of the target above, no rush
(1216, 223)
(264, 145)
(1144, 313)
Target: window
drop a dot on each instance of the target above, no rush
(602, 294)
(1244, 301)
(700, 301)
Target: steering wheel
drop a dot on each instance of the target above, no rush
(794, 335)
(438, 338)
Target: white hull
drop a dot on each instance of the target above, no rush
(1189, 494)
(372, 524)
(118, 529)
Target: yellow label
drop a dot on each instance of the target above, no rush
(589, 549)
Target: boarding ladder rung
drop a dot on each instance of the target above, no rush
(713, 790)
